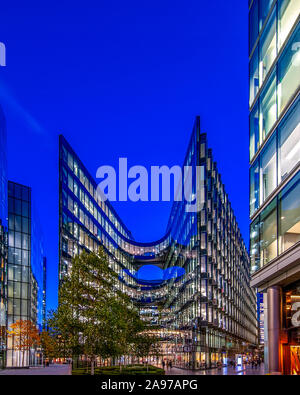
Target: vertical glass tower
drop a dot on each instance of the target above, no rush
(274, 103)
(3, 239)
(199, 291)
(25, 268)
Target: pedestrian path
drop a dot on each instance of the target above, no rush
(61, 370)
(225, 371)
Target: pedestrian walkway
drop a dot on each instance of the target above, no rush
(61, 370)
(225, 371)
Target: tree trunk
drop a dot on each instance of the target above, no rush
(92, 366)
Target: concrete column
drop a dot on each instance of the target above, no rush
(274, 326)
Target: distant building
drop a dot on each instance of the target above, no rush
(274, 102)
(3, 239)
(201, 284)
(25, 267)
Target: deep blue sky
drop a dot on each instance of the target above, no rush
(123, 78)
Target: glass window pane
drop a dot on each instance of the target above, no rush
(18, 256)
(18, 223)
(18, 207)
(25, 194)
(25, 211)
(289, 141)
(268, 169)
(267, 48)
(25, 223)
(254, 245)
(18, 191)
(17, 289)
(264, 8)
(254, 188)
(254, 77)
(268, 234)
(254, 131)
(18, 239)
(289, 214)
(25, 241)
(253, 24)
(268, 108)
(289, 70)
(288, 10)
(25, 258)
(25, 274)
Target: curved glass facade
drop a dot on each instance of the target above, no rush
(199, 294)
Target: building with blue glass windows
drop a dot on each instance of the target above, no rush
(25, 271)
(274, 103)
(199, 294)
(3, 239)
(22, 263)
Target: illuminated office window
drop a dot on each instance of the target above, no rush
(268, 49)
(289, 215)
(289, 70)
(253, 23)
(268, 169)
(268, 108)
(254, 187)
(254, 131)
(264, 8)
(268, 233)
(289, 141)
(254, 76)
(288, 11)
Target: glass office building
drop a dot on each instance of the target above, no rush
(25, 274)
(199, 291)
(3, 239)
(274, 80)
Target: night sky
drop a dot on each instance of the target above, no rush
(123, 79)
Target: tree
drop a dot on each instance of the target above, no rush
(146, 344)
(50, 345)
(94, 318)
(24, 335)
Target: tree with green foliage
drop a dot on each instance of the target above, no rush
(94, 317)
(146, 344)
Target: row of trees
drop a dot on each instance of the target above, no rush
(94, 318)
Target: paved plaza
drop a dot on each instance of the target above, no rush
(65, 370)
(225, 371)
(61, 370)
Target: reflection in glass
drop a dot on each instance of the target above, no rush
(264, 8)
(254, 245)
(268, 168)
(268, 108)
(289, 141)
(289, 70)
(253, 24)
(267, 48)
(254, 188)
(268, 233)
(254, 77)
(289, 214)
(288, 10)
(254, 131)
